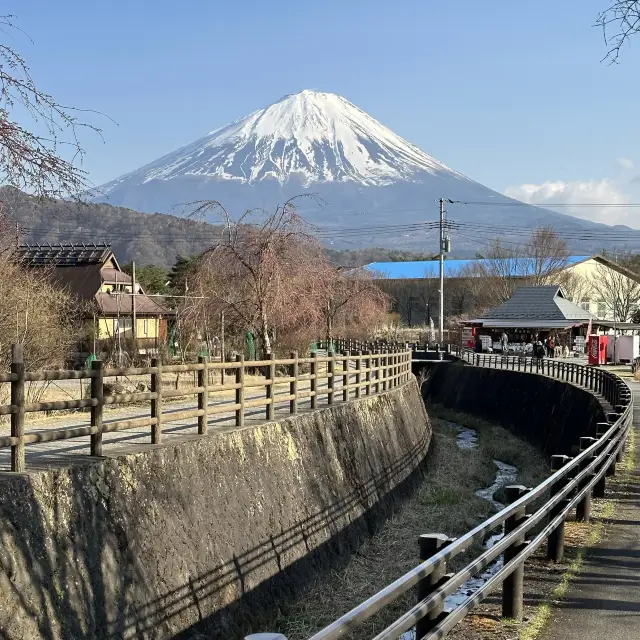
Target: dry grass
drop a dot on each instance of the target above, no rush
(445, 502)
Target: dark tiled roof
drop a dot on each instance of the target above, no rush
(62, 254)
(538, 303)
(112, 304)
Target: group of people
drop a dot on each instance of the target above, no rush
(549, 347)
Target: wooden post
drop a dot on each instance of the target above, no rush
(345, 376)
(270, 389)
(513, 585)
(430, 544)
(314, 381)
(240, 392)
(222, 347)
(358, 373)
(583, 508)
(17, 400)
(331, 368)
(156, 405)
(203, 396)
(293, 385)
(555, 542)
(367, 374)
(97, 393)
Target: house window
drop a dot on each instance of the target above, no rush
(145, 326)
(602, 309)
(586, 305)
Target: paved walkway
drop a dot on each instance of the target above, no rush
(603, 601)
(76, 450)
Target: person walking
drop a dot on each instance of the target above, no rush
(504, 343)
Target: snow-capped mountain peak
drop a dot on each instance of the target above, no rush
(311, 136)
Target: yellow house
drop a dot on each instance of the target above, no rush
(92, 272)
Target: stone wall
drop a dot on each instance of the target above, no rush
(210, 531)
(550, 414)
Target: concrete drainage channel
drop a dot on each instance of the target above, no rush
(506, 474)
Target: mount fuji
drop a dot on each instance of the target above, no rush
(378, 188)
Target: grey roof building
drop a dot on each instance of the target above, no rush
(544, 307)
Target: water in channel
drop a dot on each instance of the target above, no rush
(506, 474)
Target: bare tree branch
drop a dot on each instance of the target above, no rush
(619, 22)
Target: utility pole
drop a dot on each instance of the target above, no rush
(134, 328)
(441, 292)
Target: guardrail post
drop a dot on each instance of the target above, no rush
(430, 544)
(270, 388)
(17, 399)
(156, 404)
(358, 373)
(240, 391)
(600, 486)
(330, 379)
(203, 396)
(97, 393)
(313, 383)
(583, 508)
(513, 585)
(555, 541)
(293, 385)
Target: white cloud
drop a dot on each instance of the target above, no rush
(626, 163)
(590, 192)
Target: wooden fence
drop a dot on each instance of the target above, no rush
(343, 376)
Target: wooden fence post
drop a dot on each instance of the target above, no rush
(270, 389)
(293, 385)
(555, 542)
(97, 393)
(203, 396)
(513, 585)
(314, 381)
(430, 544)
(345, 376)
(17, 400)
(367, 375)
(331, 369)
(358, 373)
(240, 392)
(156, 404)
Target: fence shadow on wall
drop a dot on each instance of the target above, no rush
(55, 585)
(79, 582)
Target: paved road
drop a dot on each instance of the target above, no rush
(603, 601)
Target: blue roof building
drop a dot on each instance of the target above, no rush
(452, 268)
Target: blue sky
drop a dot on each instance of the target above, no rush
(509, 93)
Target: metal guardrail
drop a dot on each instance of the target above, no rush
(571, 486)
(348, 375)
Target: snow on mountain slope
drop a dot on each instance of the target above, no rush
(312, 136)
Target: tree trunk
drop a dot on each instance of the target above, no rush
(266, 341)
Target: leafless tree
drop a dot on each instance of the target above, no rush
(503, 268)
(46, 162)
(264, 272)
(619, 22)
(351, 303)
(618, 288)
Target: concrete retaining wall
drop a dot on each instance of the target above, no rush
(550, 414)
(209, 531)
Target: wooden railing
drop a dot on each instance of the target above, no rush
(527, 524)
(331, 378)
